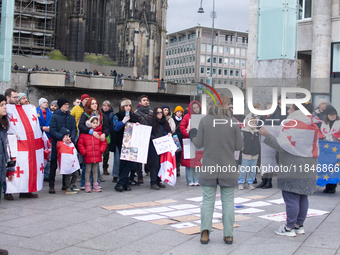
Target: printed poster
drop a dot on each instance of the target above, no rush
(135, 145)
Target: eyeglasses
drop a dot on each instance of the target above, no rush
(159, 112)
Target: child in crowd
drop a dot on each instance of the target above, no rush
(68, 161)
(250, 154)
(92, 149)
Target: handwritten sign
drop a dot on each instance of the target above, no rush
(164, 144)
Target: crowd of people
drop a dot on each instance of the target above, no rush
(96, 130)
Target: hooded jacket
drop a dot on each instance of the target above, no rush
(91, 147)
(183, 128)
(42, 121)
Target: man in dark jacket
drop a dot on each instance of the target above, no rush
(108, 111)
(144, 115)
(60, 118)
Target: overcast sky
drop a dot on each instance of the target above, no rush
(231, 14)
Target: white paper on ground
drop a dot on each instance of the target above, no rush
(218, 207)
(183, 206)
(149, 217)
(218, 202)
(175, 214)
(257, 204)
(195, 210)
(159, 209)
(277, 201)
(239, 200)
(283, 217)
(249, 210)
(213, 221)
(132, 212)
(195, 199)
(217, 215)
(183, 225)
(315, 212)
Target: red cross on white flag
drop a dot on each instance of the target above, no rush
(167, 171)
(30, 149)
(67, 158)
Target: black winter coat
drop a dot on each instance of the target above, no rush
(58, 120)
(4, 156)
(119, 134)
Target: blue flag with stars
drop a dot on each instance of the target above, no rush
(328, 171)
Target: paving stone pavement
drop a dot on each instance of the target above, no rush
(76, 224)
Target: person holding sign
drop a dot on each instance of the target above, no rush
(160, 127)
(124, 115)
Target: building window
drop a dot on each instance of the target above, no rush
(237, 51)
(208, 70)
(208, 59)
(167, 53)
(231, 82)
(336, 58)
(236, 83)
(180, 71)
(220, 49)
(214, 60)
(226, 61)
(237, 62)
(203, 47)
(243, 73)
(188, 48)
(193, 58)
(305, 9)
(220, 60)
(176, 51)
(193, 70)
(202, 80)
(237, 73)
(177, 72)
(186, 70)
(180, 61)
(194, 47)
(219, 71)
(243, 52)
(243, 62)
(219, 81)
(242, 84)
(182, 49)
(172, 51)
(208, 47)
(203, 59)
(189, 69)
(215, 49)
(214, 70)
(226, 50)
(166, 73)
(232, 51)
(190, 59)
(231, 73)
(225, 81)
(184, 60)
(226, 72)
(231, 61)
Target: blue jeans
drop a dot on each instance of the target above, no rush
(248, 165)
(115, 169)
(47, 170)
(191, 175)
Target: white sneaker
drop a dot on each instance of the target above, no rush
(299, 230)
(240, 186)
(197, 184)
(250, 186)
(82, 188)
(283, 231)
(191, 184)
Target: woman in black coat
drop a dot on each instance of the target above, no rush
(160, 127)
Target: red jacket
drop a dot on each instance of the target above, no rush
(91, 148)
(183, 127)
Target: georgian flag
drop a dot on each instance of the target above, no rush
(29, 168)
(167, 171)
(326, 132)
(47, 148)
(67, 158)
(300, 136)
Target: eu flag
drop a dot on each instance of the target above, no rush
(328, 163)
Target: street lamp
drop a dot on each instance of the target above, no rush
(213, 16)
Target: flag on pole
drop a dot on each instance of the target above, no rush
(29, 169)
(167, 171)
(67, 158)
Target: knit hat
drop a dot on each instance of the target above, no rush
(166, 106)
(178, 108)
(84, 96)
(2, 98)
(64, 131)
(331, 110)
(62, 101)
(21, 95)
(54, 102)
(90, 120)
(126, 102)
(42, 100)
(321, 100)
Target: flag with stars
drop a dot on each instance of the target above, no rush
(167, 171)
(328, 163)
(29, 169)
(67, 158)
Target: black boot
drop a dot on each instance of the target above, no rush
(268, 184)
(264, 181)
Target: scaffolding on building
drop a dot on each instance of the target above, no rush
(34, 26)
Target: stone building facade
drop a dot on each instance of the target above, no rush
(131, 32)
